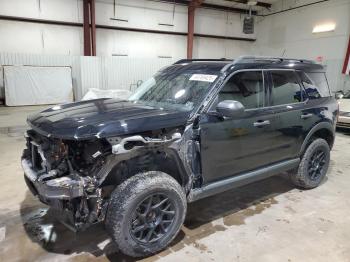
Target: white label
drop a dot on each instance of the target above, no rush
(203, 78)
(96, 154)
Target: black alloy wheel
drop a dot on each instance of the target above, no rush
(152, 219)
(317, 164)
(145, 213)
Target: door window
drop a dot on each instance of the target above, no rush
(245, 87)
(285, 88)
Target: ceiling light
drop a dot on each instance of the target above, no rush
(324, 28)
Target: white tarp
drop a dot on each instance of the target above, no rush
(34, 85)
(95, 93)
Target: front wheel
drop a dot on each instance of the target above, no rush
(146, 213)
(313, 166)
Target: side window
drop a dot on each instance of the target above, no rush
(315, 84)
(245, 87)
(285, 88)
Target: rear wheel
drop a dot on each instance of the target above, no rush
(313, 166)
(146, 213)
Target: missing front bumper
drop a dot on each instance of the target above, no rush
(62, 188)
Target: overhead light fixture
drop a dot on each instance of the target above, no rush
(329, 27)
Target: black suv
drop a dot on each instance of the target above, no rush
(195, 129)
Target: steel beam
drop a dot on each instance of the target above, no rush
(190, 33)
(86, 26)
(93, 27)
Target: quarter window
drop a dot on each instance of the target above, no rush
(315, 84)
(285, 88)
(245, 87)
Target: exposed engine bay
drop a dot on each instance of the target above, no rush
(78, 176)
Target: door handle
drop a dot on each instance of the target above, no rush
(306, 116)
(262, 123)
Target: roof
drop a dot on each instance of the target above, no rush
(248, 62)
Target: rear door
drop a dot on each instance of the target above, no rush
(287, 100)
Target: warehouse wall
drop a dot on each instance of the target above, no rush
(289, 34)
(91, 72)
(23, 43)
(40, 38)
(66, 40)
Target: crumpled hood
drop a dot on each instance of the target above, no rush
(103, 118)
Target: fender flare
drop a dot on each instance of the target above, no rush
(317, 127)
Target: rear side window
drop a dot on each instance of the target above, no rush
(315, 84)
(245, 87)
(285, 88)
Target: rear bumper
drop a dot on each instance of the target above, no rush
(63, 188)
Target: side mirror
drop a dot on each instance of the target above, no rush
(230, 108)
(339, 95)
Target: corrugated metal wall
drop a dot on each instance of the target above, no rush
(91, 72)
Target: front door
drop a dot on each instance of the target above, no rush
(230, 146)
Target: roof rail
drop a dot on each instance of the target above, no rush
(252, 59)
(266, 59)
(243, 59)
(182, 61)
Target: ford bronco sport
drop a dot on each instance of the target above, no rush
(195, 129)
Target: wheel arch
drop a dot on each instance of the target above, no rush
(324, 130)
(165, 161)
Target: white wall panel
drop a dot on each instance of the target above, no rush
(124, 73)
(40, 44)
(62, 10)
(91, 72)
(220, 23)
(142, 14)
(20, 37)
(290, 34)
(140, 45)
(218, 48)
(42, 60)
(27, 8)
(38, 85)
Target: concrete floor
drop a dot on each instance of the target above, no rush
(266, 221)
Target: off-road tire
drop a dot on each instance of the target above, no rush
(128, 196)
(301, 177)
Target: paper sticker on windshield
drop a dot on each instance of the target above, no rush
(203, 78)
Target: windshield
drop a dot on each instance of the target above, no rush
(347, 95)
(182, 91)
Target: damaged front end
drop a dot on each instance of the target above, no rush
(60, 173)
(77, 178)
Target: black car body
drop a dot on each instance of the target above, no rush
(78, 153)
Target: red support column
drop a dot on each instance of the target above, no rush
(190, 32)
(86, 25)
(191, 14)
(347, 59)
(93, 27)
